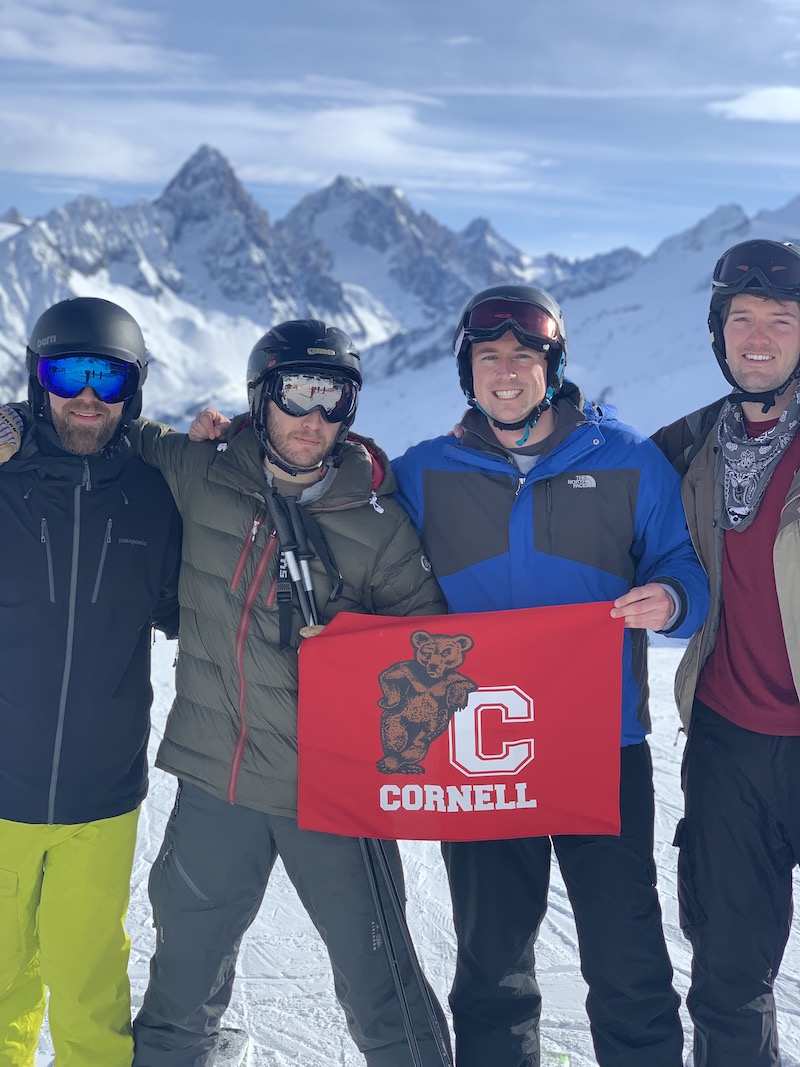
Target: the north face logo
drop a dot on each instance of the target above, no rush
(582, 481)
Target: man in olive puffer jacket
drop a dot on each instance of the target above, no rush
(231, 737)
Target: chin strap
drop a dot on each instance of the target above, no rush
(767, 398)
(276, 460)
(527, 423)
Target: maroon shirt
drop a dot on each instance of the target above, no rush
(747, 677)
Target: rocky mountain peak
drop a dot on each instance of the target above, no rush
(205, 187)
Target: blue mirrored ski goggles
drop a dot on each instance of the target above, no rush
(113, 380)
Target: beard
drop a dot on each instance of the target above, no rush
(295, 454)
(84, 440)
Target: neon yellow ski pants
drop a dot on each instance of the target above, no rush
(64, 893)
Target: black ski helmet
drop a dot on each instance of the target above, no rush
(553, 342)
(768, 269)
(300, 345)
(86, 325)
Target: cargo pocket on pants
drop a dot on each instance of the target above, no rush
(690, 910)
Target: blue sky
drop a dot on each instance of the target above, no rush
(575, 126)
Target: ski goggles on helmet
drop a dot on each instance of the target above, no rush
(775, 267)
(299, 394)
(113, 380)
(532, 325)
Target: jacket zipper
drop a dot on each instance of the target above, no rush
(245, 552)
(241, 639)
(45, 539)
(69, 644)
(101, 565)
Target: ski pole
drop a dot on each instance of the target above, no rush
(304, 554)
(394, 966)
(288, 543)
(402, 923)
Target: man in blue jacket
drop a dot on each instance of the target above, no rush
(90, 550)
(545, 500)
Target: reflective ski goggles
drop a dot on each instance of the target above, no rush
(113, 380)
(532, 325)
(774, 266)
(300, 394)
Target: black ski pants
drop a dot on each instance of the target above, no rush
(206, 887)
(739, 841)
(499, 891)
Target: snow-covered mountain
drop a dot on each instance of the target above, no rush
(205, 271)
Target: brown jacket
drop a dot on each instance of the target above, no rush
(692, 447)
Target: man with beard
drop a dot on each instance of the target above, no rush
(293, 494)
(91, 543)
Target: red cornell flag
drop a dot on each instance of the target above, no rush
(462, 727)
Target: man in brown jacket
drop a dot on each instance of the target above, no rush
(231, 738)
(738, 685)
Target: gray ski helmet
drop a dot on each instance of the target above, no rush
(768, 269)
(545, 332)
(86, 325)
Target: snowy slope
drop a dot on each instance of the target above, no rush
(283, 993)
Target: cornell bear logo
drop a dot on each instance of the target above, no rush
(420, 696)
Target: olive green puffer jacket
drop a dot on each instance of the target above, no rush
(233, 727)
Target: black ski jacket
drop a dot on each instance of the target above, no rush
(89, 559)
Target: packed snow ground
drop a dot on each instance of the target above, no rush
(284, 994)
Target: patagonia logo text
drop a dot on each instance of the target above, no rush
(582, 481)
(132, 541)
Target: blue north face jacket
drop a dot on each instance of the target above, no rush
(598, 514)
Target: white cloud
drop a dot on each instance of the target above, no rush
(71, 145)
(108, 136)
(550, 91)
(85, 35)
(775, 104)
(460, 42)
(393, 138)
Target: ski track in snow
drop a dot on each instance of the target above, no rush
(284, 992)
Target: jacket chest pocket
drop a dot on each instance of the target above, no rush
(588, 518)
(44, 537)
(102, 561)
(95, 559)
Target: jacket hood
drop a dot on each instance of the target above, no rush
(41, 452)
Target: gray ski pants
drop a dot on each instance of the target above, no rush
(206, 887)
